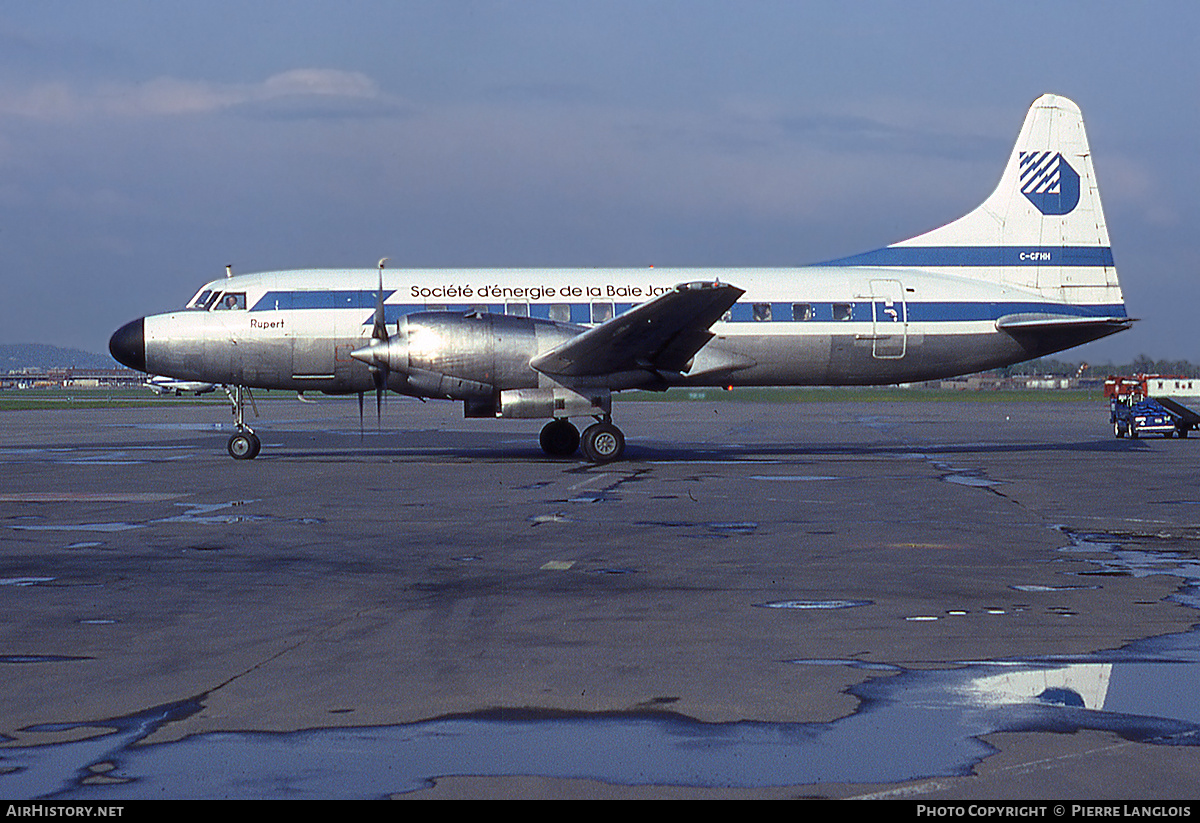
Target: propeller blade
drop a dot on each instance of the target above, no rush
(378, 371)
(379, 331)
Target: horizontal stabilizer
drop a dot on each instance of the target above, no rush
(662, 335)
(1034, 321)
(1045, 333)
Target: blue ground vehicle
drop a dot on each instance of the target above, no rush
(1137, 416)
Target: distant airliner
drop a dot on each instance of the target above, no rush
(161, 385)
(1028, 273)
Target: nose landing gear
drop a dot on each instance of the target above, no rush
(244, 443)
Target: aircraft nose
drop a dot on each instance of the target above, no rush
(128, 345)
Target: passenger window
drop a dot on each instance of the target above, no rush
(762, 312)
(231, 301)
(843, 311)
(802, 311)
(728, 315)
(560, 312)
(518, 309)
(602, 312)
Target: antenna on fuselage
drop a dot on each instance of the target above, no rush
(229, 270)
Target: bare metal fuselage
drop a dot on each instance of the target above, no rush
(793, 327)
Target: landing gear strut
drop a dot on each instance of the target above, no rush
(244, 443)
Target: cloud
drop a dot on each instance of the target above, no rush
(300, 92)
(328, 82)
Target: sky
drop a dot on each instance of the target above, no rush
(145, 145)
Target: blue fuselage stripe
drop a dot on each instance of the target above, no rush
(861, 310)
(957, 256)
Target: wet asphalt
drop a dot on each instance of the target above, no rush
(881, 599)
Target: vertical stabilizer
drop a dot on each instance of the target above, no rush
(1042, 228)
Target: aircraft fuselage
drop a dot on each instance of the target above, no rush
(793, 327)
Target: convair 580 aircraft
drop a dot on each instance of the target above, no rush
(1028, 273)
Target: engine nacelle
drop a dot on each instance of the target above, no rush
(554, 402)
(464, 356)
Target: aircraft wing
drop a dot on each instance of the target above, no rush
(662, 335)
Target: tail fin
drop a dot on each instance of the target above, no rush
(1042, 228)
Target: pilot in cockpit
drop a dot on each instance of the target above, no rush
(231, 301)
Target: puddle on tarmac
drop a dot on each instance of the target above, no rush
(917, 723)
(794, 478)
(744, 527)
(969, 480)
(813, 604)
(710, 529)
(127, 455)
(555, 517)
(194, 513)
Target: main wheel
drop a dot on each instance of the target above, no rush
(244, 446)
(1118, 429)
(559, 438)
(603, 443)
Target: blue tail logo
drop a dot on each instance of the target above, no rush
(1049, 182)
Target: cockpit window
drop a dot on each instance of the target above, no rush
(231, 300)
(203, 299)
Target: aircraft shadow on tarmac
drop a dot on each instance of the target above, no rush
(488, 449)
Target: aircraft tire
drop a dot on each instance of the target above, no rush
(244, 446)
(559, 438)
(1118, 431)
(1133, 432)
(603, 443)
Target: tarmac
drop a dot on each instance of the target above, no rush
(919, 600)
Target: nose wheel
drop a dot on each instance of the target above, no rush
(244, 443)
(244, 446)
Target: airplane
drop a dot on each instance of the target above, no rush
(161, 385)
(1028, 273)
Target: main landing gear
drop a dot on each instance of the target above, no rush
(601, 442)
(244, 443)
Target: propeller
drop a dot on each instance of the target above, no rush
(378, 333)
